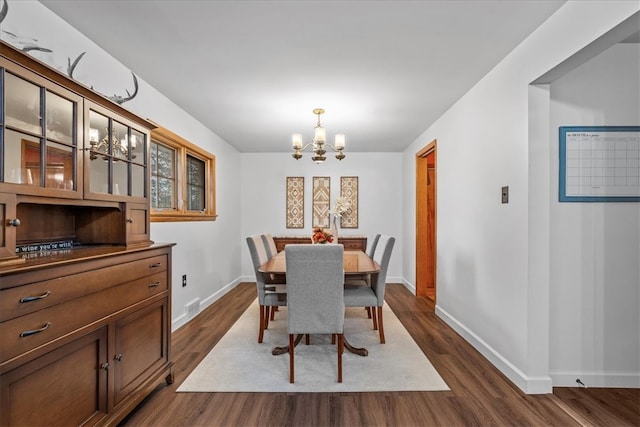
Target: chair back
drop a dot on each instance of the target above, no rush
(382, 256)
(258, 257)
(270, 245)
(374, 244)
(315, 290)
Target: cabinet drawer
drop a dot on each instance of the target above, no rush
(351, 245)
(40, 295)
(28, 332)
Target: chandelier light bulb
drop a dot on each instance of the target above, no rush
(320, 134)
(296, 141)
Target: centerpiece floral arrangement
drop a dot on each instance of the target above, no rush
(321, 236)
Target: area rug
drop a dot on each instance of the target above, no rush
(239, 364)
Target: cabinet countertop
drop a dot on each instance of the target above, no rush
(39, 260)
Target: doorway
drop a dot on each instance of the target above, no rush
(426, 215)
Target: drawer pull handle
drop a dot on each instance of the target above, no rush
(35, 298)
(15, 222)
(154, 284)
(130, 220)
(35, 331)
(155, 265)
(104, 366)
(118, 357)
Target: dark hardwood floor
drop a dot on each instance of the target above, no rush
(480, 394)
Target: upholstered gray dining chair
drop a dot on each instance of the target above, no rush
(374, 244)
(270, 295)
(270, 245)
(360, 295)
(365, 280)
(371, 252)
(315, 297)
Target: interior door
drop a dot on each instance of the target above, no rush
(426, 215)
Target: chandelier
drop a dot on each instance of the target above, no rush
(119, 147)
(318, 143)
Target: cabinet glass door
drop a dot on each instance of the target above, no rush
(117, 157)
(39, 136)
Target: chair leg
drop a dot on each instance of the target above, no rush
(261, 332)
(340, 351)
(375, 318)
(380, 327)
(266, 316)
(368, 312)
(333, 339)
(307, 340)
(273, 312)
(291, 347)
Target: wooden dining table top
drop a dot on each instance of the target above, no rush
(354, 262)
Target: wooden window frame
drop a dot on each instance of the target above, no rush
(183, 147)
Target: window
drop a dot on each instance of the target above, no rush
(195, 184)
(163, 176)
(182, 179)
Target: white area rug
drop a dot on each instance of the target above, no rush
(239, 364)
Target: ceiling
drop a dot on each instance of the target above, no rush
(253, 71)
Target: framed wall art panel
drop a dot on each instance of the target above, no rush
(321, 200)
(295, 202)
(349, 190)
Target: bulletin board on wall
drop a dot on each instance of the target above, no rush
(599, 164)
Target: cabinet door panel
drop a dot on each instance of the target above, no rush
(116, 154)
(64, 387)
(7, 231)
(141, 346)
(137, 223)
(42, 135)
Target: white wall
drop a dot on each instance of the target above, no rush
(595, 247)
(263, 207)
(487, 262)
(208, 252)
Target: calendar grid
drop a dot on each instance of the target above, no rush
(600, 163)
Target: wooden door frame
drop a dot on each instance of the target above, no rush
(422, 251)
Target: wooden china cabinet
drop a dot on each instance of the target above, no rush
(85, 295)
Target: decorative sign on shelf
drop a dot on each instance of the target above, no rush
(48, 246)
(599, 164)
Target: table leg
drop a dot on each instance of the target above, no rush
(276, 351)
(359, 351)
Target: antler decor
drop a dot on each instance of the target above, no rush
(4, 10)
(118, 99)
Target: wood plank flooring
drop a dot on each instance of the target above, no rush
(480, 394)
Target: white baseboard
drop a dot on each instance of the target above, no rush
(529, 385)
(596, 379)
(183, 319)
(410, 286)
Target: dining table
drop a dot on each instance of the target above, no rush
(356, 264)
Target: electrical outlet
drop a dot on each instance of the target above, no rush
(184, 280)
(505, 194)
